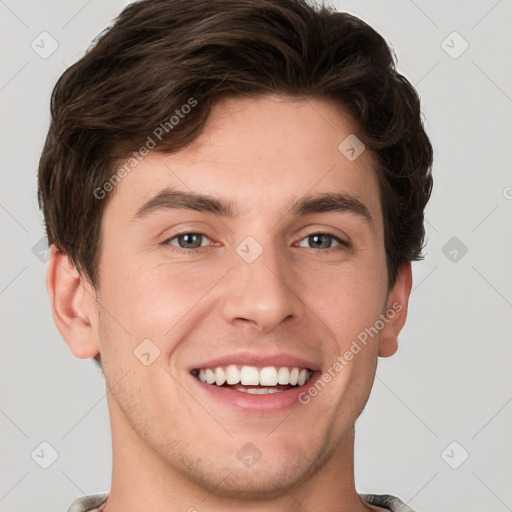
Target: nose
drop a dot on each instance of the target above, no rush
(260, 293)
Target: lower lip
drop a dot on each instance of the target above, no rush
(270, 403)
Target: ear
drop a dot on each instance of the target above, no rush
(396, 311)
(72, 303)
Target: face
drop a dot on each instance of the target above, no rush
(265, 283)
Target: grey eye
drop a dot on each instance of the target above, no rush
(188, 240)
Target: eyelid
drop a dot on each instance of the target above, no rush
(319, 229)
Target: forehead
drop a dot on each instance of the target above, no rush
(262, 155)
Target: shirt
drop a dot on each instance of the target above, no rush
(96, 503)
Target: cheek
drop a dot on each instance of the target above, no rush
(152, 300)
(348, 300)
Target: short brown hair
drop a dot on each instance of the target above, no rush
(160, 54)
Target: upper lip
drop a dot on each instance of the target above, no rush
(257, 359)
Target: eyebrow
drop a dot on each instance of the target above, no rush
(170, 199)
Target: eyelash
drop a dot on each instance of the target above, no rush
(342, 243)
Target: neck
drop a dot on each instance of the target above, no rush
(142, 480)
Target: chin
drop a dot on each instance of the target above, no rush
(268, 478)
(251, 484)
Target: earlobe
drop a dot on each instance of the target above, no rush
(71, 306)
(396, 311)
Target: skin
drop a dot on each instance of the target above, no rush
(173, 448)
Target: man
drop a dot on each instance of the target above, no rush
(234, 193)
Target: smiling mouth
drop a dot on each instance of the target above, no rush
(254, 380)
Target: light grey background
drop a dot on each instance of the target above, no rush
(451, 379)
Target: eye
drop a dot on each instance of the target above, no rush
(322, 241)
(188, 241)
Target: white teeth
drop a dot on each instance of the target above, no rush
(303, 375)
(283, 376)
(210, 376)
(232, 374)
(220, 376)
(267, 377)
(258, 391)
(249, 376)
